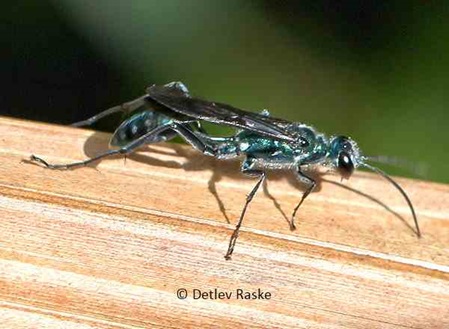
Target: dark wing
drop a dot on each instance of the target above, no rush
(219, 113)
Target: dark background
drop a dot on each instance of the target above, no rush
(377, 71)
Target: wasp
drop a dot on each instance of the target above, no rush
(262, 141)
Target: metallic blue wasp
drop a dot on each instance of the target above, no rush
(265, 143)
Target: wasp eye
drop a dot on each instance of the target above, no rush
(303, 142)
(346, 145)
(345, 165)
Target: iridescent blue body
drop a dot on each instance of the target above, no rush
(265, 152)
(141, 122)
(273, 154)
(264, 143)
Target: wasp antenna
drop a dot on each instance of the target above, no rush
(420, 169)
(400, 189)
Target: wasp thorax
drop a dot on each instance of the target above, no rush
(303, 135)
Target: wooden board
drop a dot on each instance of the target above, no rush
(110, 246)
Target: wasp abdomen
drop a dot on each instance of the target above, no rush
(138, 125)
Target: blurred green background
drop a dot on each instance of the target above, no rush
(377, 71)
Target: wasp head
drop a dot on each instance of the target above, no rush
(345, 155)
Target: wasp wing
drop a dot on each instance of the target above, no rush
(219, 113)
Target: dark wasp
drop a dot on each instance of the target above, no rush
(266, 143)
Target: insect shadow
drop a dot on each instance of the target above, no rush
(196, 161)
(373, 199)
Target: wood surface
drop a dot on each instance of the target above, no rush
(109, 245)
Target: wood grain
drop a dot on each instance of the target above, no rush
(108, 246)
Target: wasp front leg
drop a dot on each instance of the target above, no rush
(311, 184)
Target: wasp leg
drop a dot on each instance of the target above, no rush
(180, 128)
(199, 127)
(124, 150)
(125, 107)
(247, 170)
(311, 185)
(193, 139)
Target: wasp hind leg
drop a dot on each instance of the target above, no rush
(182, 129)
